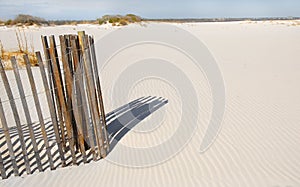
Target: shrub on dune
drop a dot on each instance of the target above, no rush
(118, 20)
(29, 20)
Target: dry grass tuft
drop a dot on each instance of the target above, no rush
(23, 49)
(6, 56)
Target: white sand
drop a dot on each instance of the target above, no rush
(259, 141)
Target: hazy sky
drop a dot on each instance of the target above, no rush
(92, 9)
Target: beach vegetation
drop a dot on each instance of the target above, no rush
(25, 47)
(119, 20)
(27, 20)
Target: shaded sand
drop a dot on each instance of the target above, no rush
(259, 141)
(141, 107)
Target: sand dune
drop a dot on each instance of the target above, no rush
(258, 144)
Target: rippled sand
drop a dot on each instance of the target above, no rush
(258, 144)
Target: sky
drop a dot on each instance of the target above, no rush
(93, 9)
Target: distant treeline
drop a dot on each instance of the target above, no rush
(220, 19)
(119, 20)
(71, 22)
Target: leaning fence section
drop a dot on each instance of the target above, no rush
(76, 130)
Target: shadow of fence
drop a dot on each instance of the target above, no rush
(121, 121)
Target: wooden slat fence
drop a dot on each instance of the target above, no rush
(76, 130)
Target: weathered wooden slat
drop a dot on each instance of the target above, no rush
(60, 70)
(51, 108)
(38, 110)
(81, 97)
(8, 140)
(76, 72)
(100, 98)
(67, 72)
(92, 74)
(70, 64)
(59, 67)
(2, 168)
(86, 74)
(27, 114)
(47, 58)
(67, 117)
(54, 93)
(101, 127)
(69, 53)
(91, 92)
(69, 82)
(49, 68)
(16, 117)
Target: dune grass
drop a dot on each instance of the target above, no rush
(24, 47)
